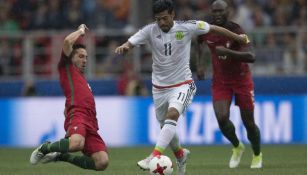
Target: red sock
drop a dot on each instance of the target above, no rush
(156, 153)
(179, 153)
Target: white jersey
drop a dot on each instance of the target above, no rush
(171, 50)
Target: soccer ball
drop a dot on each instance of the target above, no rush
(161, 165)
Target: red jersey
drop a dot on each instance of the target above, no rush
(229, 70)
(77, 91)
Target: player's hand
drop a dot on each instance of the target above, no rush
(83, 28)
(122, 49)
(244, 39)
(221, 52)
(200, 73)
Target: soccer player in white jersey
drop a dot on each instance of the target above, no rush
(173, 86)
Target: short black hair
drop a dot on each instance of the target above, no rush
(78, 46)
(75, 47)
(162, 5)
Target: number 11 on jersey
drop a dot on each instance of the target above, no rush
(168, 49)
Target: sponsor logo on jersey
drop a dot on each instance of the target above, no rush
(179, 35)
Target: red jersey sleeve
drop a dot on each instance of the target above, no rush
(64, 60)
(238, 30)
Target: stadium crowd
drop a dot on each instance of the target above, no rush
(278, 51)
(57, 15)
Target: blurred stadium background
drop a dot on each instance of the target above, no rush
(32, 103)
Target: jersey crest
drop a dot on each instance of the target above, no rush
(179, 35)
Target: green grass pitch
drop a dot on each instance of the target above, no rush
(204, 160)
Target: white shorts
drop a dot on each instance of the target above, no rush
(177, 97)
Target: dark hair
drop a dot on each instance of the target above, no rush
(75, 47)
(162, 5)
(78, 46)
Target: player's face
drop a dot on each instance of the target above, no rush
(80, 59)
(219, 13)
(165, 20)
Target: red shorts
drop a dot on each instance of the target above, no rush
(93, 142)
(242, 91)
(77, 124)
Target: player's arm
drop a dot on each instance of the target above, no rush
(200, 68)
(137, 39)
(222, 31)
(70, 39)
(247, 55)
(124, 48)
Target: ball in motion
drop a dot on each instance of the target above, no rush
(161, 165)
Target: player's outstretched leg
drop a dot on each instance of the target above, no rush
(48, 147)
(237, 153)
(37, 154)
(182, 162)
(83, 161)
(50, 157)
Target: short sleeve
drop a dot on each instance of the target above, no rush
(141, 36)
(200, 27)
(64, 60)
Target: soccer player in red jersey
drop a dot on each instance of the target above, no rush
(81, 124)
(231, 77)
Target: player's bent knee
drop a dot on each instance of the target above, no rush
(101, 165)
(101, 160)
(76, 145)
(173, 114)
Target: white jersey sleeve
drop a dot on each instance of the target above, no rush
(141, 36)
(199, 27)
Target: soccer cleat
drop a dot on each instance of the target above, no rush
(182, 162)
(257, 161)
(50, 157)
(236, 156)
(144, 164)
(37, 155)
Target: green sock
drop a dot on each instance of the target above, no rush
(254, 138)
(229, 132)
(59, 146)
(84, 162)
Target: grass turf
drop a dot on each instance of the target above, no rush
(204, 160)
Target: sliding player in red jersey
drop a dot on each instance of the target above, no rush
(81, 124)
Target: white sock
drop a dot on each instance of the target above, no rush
(175, 144)
(167, 133)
